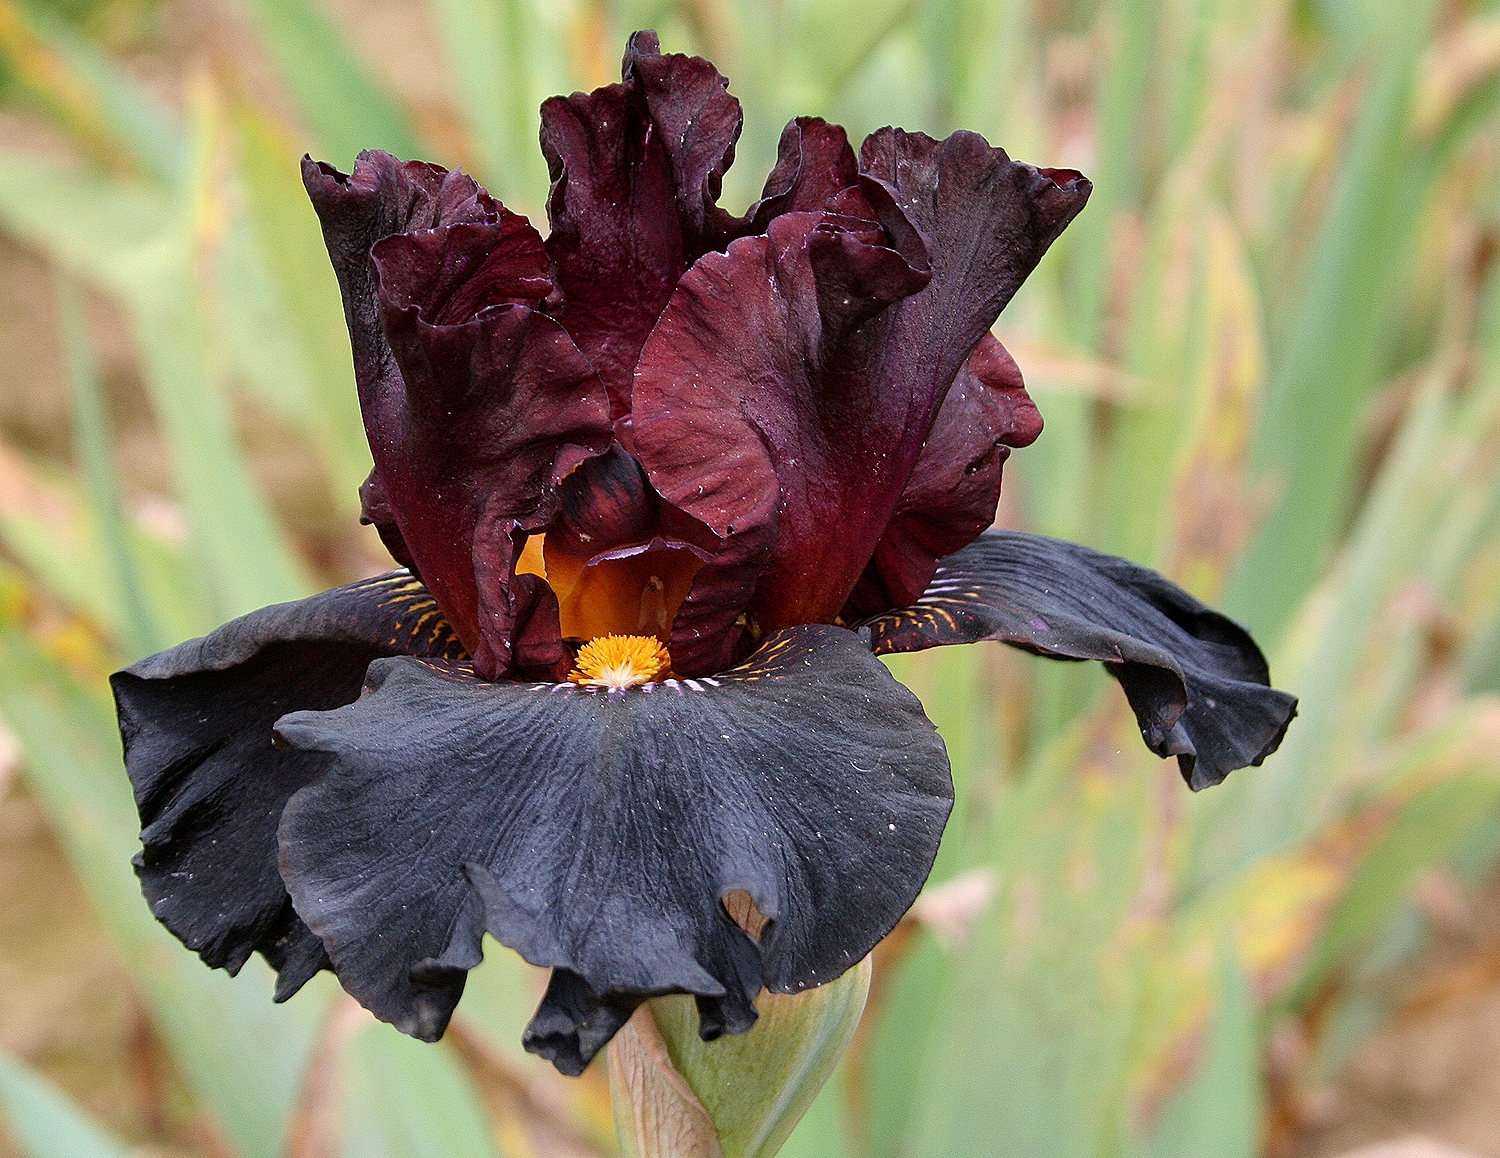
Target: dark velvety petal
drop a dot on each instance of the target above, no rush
(598, 833)
(1196, 680)
(196, 722)
(987, 221)
(636, 169)
(814, 164)
(808, 378)
(955, 485)
(573, 1023)
(753, 414)
(475, 405)
(493, 410)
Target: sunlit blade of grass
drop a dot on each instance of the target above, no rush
(267, 357)
(1466, 490)
(1219, 1110)
(1269, 913)
(896, 1039)
(1048, 988)
(1284, 801)
(342, 103)
(408, 1099)
(139, 633)
(239, 1054)
(147, 252)
(1128, 31)
(305, 307)
(1329, 363)
(504, 59)
(1436, 797)
(48, 77)
(45, 1122)
(1207, 513)
(1479, 662)
(137, 121)
(89, 222)
(955, 692)
(248, 563)
(897, 1031)
(48, 528)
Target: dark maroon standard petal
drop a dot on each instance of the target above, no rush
(955, 486)
(636, 169)
(475, 404)
(752, 414)
(814, 164)
(786, 393)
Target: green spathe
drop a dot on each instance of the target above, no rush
(677, 1096)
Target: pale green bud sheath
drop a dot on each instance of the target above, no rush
(677, 1096)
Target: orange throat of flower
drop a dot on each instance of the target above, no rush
(620, 661)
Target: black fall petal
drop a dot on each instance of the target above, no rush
(573, 1023)
(196, 724)
(1197, 682)
(597, 833)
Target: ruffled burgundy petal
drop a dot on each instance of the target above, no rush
(955, 485)
(752, 412)
(475, 404)
(987, 220)
(786, 394)
(636, 169)
(814, 164)
(381, 197)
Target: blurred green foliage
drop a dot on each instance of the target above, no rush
(1268, 354)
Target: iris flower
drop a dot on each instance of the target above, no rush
(662, 486)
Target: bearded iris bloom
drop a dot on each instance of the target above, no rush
(662, 485)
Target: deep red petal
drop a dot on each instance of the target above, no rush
(955, 485)
(786, 394)
(751, 414)
(987, 221)
(636, 169)
(381, 197)
(814, 164)
(455, 271)
(475, 406)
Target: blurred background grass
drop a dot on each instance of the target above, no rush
(1268, 355)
